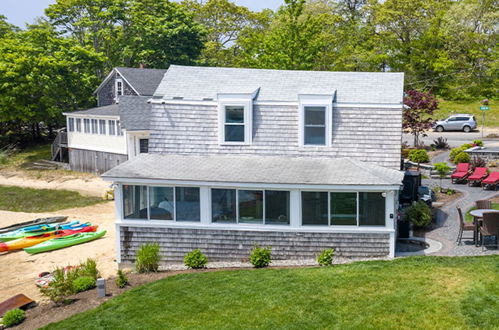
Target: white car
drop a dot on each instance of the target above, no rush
(459, 122)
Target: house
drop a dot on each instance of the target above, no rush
(100, 138)
(297, 160)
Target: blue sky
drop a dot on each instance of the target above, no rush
(19, 12)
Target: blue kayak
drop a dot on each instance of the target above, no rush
(40, 229)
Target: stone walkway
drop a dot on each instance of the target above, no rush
(446, 228)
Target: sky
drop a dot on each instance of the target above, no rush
(19, 12)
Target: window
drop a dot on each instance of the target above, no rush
(135, 202)
(187, 204)
(119, 130)
(234, 124)
(94, 126)
(102, 127)
(119, 87)
(161, 203)
(71, 124)
(143, 146)
(371, 209)
(223, 205)
(250, 206)
(314, 208)
(112, 127)
(86, 125)
(276, 207)
(78, 124)
(343, 208)
(315, 126)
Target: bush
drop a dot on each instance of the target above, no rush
(147, 258)
(418, 213)
(4, 158)
(88, 268)
(260, 257)
(405, 153)
(83, 283)
(477, 162)
(478, 143)
(326, 257)
(440, 143)
(13, 317)
(61, 286)
(195, 259)
(462, 157)
(454, 152)
(121, 280)
(467, 146)
(419, 156)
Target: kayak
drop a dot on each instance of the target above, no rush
(65, 241)
(28, 241)
(40, 229)
(39, 221)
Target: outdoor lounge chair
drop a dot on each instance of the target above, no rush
(461, 173)
(490, 227)
(463, 226)
(478, 175)
(491, 181)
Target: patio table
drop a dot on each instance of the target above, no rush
(477, 214)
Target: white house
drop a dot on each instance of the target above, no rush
(298, 160)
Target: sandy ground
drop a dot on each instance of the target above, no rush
(19, 270)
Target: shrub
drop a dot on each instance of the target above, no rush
(13, 317)
(467, 146)
(147, 258)
(492, 163)
(195, 259)
(419, 156)
(405, 153)
(89, 268)
(121, 280)
(326, 257)
(478, 143)
(61, 286)
(441, 143)
(462, 157)
(260, 257)
(454, 152)
(477, 162)
(83, 283)
(418, 213)
(4, 158)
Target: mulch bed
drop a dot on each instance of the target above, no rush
(447, 199)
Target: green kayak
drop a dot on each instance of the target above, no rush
(65, 241)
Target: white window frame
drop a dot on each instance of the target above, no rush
(71, 124)
(86, 126)
(237, 100)
(92, 122)
(312, 100)
(109, 125)
(101, 132)
(78, 125)
(118, 87)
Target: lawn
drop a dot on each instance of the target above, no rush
(19, 199)
(410, 293)
(447, 108)
(469, 218)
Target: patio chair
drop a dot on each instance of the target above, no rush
(461, 173)
(483, 204)
(478, 175)
(463, 226)
(491, 181)
(490, 227)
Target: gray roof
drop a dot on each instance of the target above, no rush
(108, 110)
(256, 169)
(144, 81)
(198, 83)
(135, 113)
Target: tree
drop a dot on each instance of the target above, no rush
(419, 156)
(6, 28)
(418, 109)
(442, 169)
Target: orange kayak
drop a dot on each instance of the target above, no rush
(25, 242)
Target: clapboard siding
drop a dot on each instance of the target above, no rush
(94, 161)
(234, 245)
(366, 134)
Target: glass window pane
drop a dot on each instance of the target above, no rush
(94, 126)
(371, 209)
(234, 133)
(315, 115)
(187, 205)
(102, 127)
(119, 130)
(314, 208)
(134, 202)
(315, 135)
(344, 209)
(276, 207)
(71, 124)
(112, 127)
(234, 114)
(78, 124)
(223, 205)
(86, 125)
(250, 206)
(161, 203)
(144, 146)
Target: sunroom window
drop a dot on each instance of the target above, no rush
(94, 126)
(112, 127)
(86, 125)
(102, 127)
(234, 124)
(71, 124)
(78, 124)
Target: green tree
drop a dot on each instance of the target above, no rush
(6, 28)
(442, 169)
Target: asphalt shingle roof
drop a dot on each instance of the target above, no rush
(135, 113)
(198, 83)
(254, 169)
(145, 81)
(108, 110)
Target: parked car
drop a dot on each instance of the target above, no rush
(426, 195)
(459, 122)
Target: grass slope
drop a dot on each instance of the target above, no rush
(410, 293)
(19, 199)
(447, 108)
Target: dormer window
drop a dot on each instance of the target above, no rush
(235, 118)
(315, 125)
(119, 87)
(234, 123)
(315, 120)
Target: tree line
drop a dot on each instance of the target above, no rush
(446, 47)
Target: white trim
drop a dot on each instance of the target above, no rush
(95, 148)
(116, 82)
(237, 100)
(104, 81)
(307, 100)
(131, 86)
(104, 117)
(118, 205)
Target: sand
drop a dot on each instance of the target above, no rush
(19, 270)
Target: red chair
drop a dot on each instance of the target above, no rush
(461, 173)
(491, 181)
(478, 175)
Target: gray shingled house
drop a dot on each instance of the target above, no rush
(298, 160)
(118, 129)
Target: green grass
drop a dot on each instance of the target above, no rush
(469, 218)
(19, 199)
(447, 108)
(410, 293)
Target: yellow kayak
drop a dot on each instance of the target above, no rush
(25, 242)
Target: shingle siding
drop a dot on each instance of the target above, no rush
(366, 134)
(234, 245)
(106, 95)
